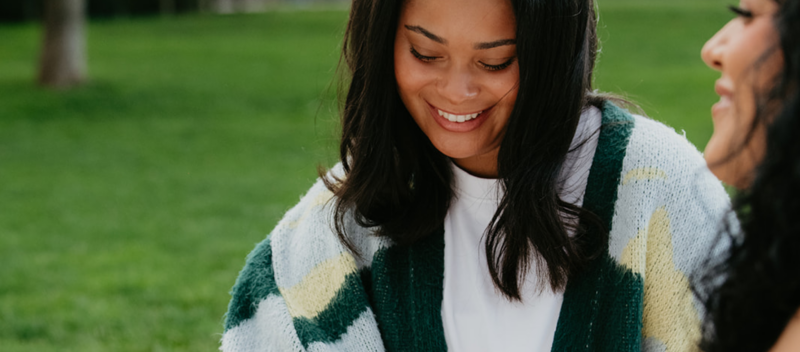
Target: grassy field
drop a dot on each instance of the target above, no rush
(127, 206)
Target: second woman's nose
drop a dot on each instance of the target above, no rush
(713, 51)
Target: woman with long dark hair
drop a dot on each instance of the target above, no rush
(752, 294)
(487, 199)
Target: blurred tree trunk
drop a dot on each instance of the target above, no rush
(63, 60)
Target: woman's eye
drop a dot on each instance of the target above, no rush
(421, 57)
(498, 67)
(747, 14)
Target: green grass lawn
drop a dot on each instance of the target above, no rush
(127, 206)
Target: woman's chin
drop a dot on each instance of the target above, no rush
(731, 171)
(454, 149)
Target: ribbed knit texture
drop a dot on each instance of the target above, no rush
(302, 291)
(407, 295)
(590, 317)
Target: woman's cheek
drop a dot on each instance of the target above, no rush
(417, 74)
(502, 84)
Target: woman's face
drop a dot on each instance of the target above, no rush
(457, 73)
(746, 52)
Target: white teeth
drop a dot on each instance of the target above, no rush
(458, 118)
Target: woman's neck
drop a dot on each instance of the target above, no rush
(483, 165)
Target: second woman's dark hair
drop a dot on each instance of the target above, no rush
(397, 181)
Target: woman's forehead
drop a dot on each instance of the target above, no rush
(471, 20)
(759, 5)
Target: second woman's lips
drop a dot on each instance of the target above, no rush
(722, 90)
(725, 100)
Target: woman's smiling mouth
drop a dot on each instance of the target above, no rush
(725, 102)
(459, 122)
(458, 118)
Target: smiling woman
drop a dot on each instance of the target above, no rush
(745, 51)
(460, 84)
(487, 199)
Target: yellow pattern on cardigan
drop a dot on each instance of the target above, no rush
(644, 173)
(318, 288)
(669, 314)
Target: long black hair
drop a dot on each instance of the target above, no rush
(399, 183)
(751, 293)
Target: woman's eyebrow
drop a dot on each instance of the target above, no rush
(425, 32)
(477, 46)
(494, 44)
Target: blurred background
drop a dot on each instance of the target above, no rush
(147, 146)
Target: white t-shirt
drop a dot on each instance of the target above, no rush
(476, 317)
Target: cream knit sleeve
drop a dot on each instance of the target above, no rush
(666, 220)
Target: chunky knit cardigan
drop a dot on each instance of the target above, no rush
(301, 290)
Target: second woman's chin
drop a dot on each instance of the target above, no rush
(733, 169)
(715, 154)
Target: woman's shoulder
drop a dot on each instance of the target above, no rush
(300, 286)
(656, 143)
(664, 160)
(659, 167)
(302, 253)
(666, 218)
(666, 195)
(649, 148)
(306, 236)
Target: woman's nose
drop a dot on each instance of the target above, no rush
(458, 86)
(714, 49)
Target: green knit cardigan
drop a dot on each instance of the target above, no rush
(301, 290)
